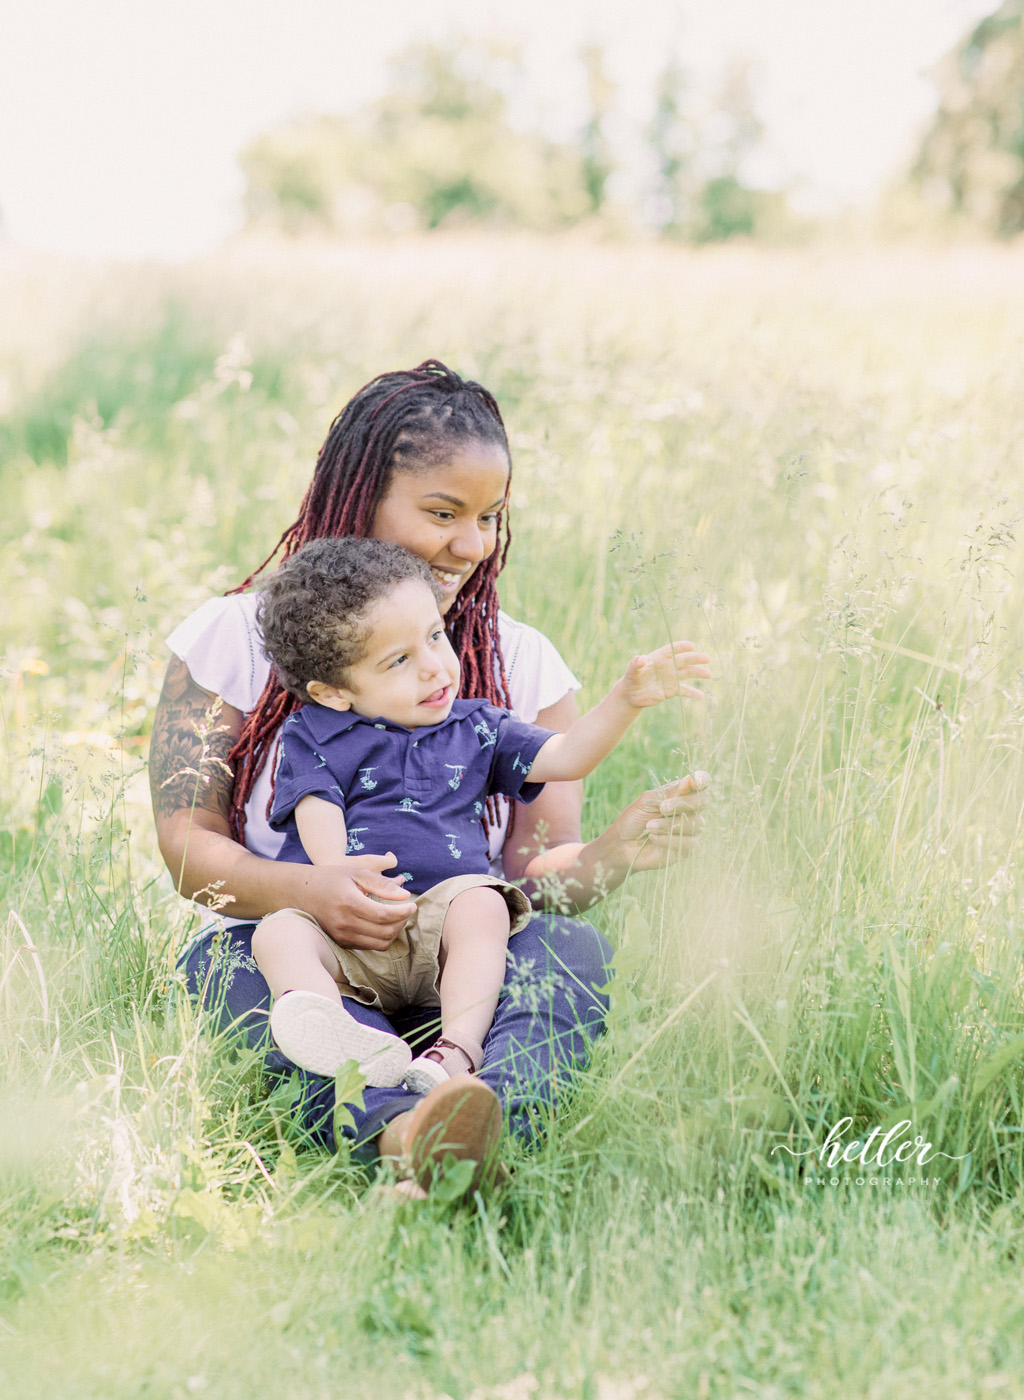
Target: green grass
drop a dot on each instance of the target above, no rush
(809, 464)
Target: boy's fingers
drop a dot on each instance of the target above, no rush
(379, 863)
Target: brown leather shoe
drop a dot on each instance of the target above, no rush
(460, 1119)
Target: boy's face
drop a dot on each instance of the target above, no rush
(409, 673)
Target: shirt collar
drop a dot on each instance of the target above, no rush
(324, 723)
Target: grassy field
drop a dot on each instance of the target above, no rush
(809, 463)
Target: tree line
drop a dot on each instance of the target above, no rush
(970, 165)
(441, 149)
(446, 146)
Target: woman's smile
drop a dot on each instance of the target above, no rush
(447, 512)
(450, 580)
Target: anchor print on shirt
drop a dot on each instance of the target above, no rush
(487, 736)
(456, 778)
(365, 780)
(455, 852)
(354, 843)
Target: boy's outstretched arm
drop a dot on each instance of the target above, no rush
(649, 680)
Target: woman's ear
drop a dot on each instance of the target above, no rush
(328, 695)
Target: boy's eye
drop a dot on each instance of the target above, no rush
(398, 661)
(435, 636)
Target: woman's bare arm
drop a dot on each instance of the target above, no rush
(544, 835)
(192, 782)
(544, 851)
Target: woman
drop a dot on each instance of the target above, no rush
(420, 459)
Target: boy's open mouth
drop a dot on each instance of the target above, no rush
(438, 698)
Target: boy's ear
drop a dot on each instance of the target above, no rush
(328, 695)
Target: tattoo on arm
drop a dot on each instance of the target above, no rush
(188, 765)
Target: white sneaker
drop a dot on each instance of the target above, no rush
(423, 1075)
(441, 1061)
(318, 1034)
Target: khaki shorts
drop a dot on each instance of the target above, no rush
(407, 973)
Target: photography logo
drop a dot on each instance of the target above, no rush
(891, 1158)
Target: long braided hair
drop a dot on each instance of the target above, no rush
(397, 422)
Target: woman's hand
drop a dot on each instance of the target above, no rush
(656, 830)
(661, 825)
(355, 903)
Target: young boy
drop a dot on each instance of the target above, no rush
(383, 758)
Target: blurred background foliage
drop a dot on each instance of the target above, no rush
(971, 161)
(456, 142)
(451, 145)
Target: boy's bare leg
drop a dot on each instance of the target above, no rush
(294, 957)
(473, 947)
(308, 1019)
(458, 1116)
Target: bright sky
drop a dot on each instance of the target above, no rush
(120, 120)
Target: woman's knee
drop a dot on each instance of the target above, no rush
(221, 976)
(570, 945)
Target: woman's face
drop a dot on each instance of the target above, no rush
(447, 512)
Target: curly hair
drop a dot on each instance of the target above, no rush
(313, 611)
(400, 422)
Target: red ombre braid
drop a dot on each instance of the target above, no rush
(389, 426)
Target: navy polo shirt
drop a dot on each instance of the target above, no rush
(417, 792)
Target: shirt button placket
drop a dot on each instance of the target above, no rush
(417, 762)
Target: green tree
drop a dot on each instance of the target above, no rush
(596, 156)
(672, 140)
(437, 149)
(971, 161)
(700, 190)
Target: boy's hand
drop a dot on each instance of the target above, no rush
(367, 873)
(663, 673)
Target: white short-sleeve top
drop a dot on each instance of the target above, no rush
(221, 645)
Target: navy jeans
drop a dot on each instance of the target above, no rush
(552, 1007)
